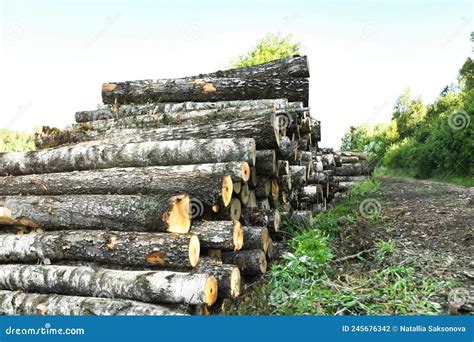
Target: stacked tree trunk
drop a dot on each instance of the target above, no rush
(164, 200)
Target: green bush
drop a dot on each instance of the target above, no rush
(12, 141)
(269, 48)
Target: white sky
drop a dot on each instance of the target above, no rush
(54, 55)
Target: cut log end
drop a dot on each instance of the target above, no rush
(235, 283)
(179, 217)
(227, 189)
(5, 215)
(211, 290)
(235, 209)
(265, 239)
(276, 221)
(262, 261)
(245, 171)
(275, 188)
(194, 250)
(237, 187)
(238, 236)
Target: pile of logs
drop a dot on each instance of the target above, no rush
(165, 199)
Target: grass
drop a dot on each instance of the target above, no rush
(311, 280)
(450, 179)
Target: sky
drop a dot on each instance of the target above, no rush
(55, 55)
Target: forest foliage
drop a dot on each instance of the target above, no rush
(13, 141)
(424, 140)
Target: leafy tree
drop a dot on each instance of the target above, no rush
(408, 113)
(11, 141)
(269, 48)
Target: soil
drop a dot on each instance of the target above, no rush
(430, 224)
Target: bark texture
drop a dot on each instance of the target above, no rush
(14, 303)
(145, 286)
(205, 89)
(223, 235)
(285, 67)
(266, 218)
(254, 125)
(178, 110)
(102, 156)
(251, 262)
(113, 212)
(121, 248)
(228, 277)
(266, 163)
(202, 181)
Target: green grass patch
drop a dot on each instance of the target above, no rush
(449, 179)
(310, 280)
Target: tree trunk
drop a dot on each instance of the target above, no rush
(121, 248)
(204, 181)
(349, 159)
(256, 237)
(348, 170)
(113, 212)
(223, 235)
(208, 89)
(287, 149)
(266, 163)
(303, 218)
(349, 178)
(299, 175)
(154, 153)
(286, 67)
(178, 110)
(253, 125)
(265, 218)
(228, 277)
(251, 262)
(146, 286)
(263, 188)
(14, 303)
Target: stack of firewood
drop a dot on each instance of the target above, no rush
(166, 198)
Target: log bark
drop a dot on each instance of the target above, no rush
(349, 159)
(228, 277)
(207, 89)
(223, 235)
(263, 188)
(265, 218)
(259, 125)
(146, 286)
(266, 163)
(303, 217)
(312, 193)
(205, 181)
(349, 178)
(283, 168)
(286, 67)
(122, 248)
(251, 262)
(348, 170)
(113, 212)
(256, 237)
(299, 175)
(19, 303)
(178, 110)
(287, 149)
(319, 178)
(154, 153)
